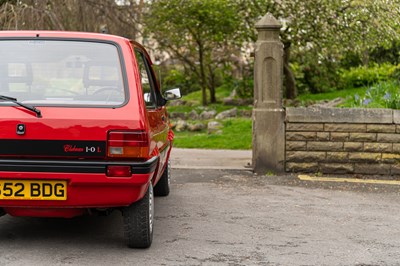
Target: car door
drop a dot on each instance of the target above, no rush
(155, 106)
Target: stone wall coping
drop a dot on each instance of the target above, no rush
(342, 115)
(396, 116)
(268, 22)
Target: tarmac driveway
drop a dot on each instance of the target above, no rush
(227, 217)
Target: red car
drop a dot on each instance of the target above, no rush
(83, 129)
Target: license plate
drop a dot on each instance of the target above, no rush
(33, 190)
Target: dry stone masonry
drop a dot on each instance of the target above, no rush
(316, 140)
(343, 141)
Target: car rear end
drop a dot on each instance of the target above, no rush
(88, 147)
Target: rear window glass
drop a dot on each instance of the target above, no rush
(54, 72)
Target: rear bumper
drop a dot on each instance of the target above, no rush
(88, 186)
(73, 166)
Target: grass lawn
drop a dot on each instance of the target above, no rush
(237, 132)
(194, 103)
(380, 95)
(345, 94)
(199, 109)
(236, 135)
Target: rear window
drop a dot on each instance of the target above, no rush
(58, 72)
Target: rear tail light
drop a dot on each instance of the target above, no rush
(128, 144)
(119, 171)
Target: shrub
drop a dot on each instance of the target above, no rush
(396, 73)
(302, 88)
(318, 77)
(244, 87)
(366, 76)
(175, 78)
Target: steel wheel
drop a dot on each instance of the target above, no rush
(139, 221)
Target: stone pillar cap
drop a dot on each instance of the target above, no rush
(268, 22)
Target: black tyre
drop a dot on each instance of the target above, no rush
(138, 221)
(163, 185)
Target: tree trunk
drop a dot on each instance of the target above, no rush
(290, 82)
(202, 76)
(211, 86)
(365, 57)
(213, 99)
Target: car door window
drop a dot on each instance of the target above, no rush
(146, 80)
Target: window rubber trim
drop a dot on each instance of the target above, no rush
(75, 39)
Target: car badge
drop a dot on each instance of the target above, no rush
(21, 129)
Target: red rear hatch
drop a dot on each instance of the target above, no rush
(79, 133)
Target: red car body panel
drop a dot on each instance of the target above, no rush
(66, 126)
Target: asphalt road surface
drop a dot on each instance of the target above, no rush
(227, 217)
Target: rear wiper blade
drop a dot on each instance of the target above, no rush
(14, 100)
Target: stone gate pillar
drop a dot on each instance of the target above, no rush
(268, 113)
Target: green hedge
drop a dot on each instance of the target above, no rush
(367, 76)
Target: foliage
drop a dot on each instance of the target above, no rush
(329, 76)
(212, 39)
(320, 76)
(75, 15)
(396, 73)
(242, 88)
(350, 59)
(381, 95)
(384, 94)
(317, 34)
(346, 94)
(176, 78)
(389, 54)
(196, 33)
(193, 100)
(236, 134)
(2, 2)
(366, 76)
(326, 96)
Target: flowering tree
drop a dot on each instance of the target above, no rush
(120, 18)
(322, 31)
(199, 33)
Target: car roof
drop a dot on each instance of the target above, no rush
(70, 35)
(60, 34)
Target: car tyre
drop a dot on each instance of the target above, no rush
(138, 221)
(163, 186)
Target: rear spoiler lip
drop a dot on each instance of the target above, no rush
(61, 166)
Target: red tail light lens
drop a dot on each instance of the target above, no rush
(119, 171)
(128, 144)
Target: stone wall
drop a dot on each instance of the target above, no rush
(342, 141)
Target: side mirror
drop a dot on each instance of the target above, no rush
(173, 94)
(147, 97)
